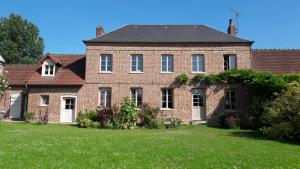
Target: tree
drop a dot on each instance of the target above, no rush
(282, 117)
(19, 40)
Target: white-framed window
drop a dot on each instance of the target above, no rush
(167, 63)
(137, 96)
(48, 68)
(230, 100)
(230, 62)
(70, 104)
(137, 64)
(44, 100)
(167, 98)
(106, 63)
(198, 64)
(105, 97)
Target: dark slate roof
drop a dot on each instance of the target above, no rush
(276, 60)
(167, 34)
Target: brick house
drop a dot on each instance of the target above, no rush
(139, 61)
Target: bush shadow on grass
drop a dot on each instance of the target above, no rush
(256, 135)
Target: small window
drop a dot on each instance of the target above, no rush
(44, 100)
(230, 100)
(70, 104)
(230, 62)
(167, 98)
(137, 63)
(137, 96)
(106, 63)
(105, 97)
(48, 70)
(197, 98)
(197, 63)
(167, 63)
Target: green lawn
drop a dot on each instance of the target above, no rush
(63, 146)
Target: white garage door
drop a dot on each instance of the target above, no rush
(15, 105)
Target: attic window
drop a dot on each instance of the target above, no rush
(48, 68)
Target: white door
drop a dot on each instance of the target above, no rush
(198, 111)
(67, 114)
(15, 105)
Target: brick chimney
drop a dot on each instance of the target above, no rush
(99, 31)
(231, 28)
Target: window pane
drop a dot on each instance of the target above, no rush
(194, 66)
(51, 70)
(140, 64)
(164, 104)
(105, 97)
(45, 100)
(46, 70)
(106, 63)
(164, 64)
(170, 64)
(232, 61)
(226, 62)
(201, 63)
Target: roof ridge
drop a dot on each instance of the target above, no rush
(227, 34)
(66, 54)
(107, 32)
(276, 49)
(166, 24)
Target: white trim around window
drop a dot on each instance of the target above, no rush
(137, 63)
(106, 63)
(198, 63)
(105, 97)
(48, 68)
(167, 63)
(44, 100)
(167, 99)
(137, 96)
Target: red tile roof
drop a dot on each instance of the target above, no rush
(17, 74)
(71, 71)
(276, 60)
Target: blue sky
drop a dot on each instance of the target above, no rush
(64, 23)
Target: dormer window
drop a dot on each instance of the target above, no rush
(48, 68)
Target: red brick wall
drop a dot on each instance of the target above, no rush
(152, 80)
(55, 94)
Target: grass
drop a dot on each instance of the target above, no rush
(63, 146)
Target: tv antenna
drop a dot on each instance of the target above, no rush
(237, 14)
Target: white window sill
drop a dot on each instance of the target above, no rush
(166, 72)
(198, 72)
(132, 72)
(48, 75)
(105, 72)
(166, 109)
(43, 105)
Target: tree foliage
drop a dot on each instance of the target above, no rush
(19, 40)
(281, 117)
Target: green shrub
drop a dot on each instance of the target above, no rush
(198, 78)
(281, 118)
(92, 115)
(229, 120)
(80, 116)
(173, 122)
(183, 79)
(148, 116)
(29, 116)
(85, 123)
(128, 114)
